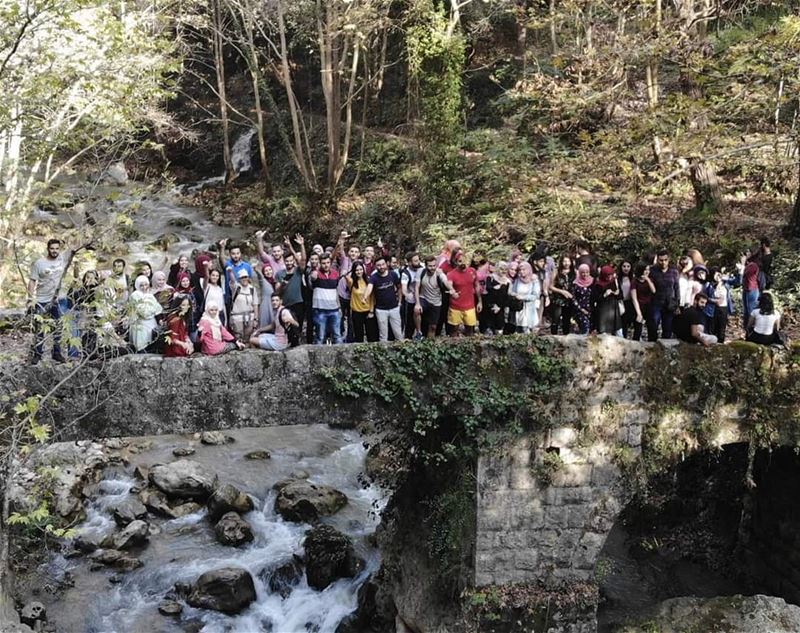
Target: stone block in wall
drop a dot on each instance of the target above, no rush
(580, 494)
(573, 456)
(527, 560)
(571, 475)
(563, 436)
(494, 473)
(521, 478)
(588, 549)
(579, 516)
(513, 540)
(556, 517)
(604, 475)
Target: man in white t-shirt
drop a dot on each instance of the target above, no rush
(44, 291)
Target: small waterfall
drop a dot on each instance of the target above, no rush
(241, 154)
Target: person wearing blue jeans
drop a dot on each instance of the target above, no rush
(666, 297)
(44, 288)
(325, 302)
(328, 323)
(750, 289)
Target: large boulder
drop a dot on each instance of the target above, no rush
(233, 530)
(134, 534)
(304, 502)
(229, 590)
(731, 614)
(183, 479)
(128, 510)
(329, 556)
(227, 498)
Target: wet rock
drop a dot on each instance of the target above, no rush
(181, 223)
(183, 451)
(227, 498)
(186, 508)
(134, 534)
(260, 454)
(380, 463)
(116, 559)
(128, 510)
(233, 530)
(85, 544)
(375, 611)
(732, 614)
(115, 174)
(115, 443)
(141, 472)
(329, 556)
(229, 590)
(170, 608)
(284, 578)
(156, 503)
(183, 479)
(301, 501)
(215, 438)
(32, 613)
(349, 624)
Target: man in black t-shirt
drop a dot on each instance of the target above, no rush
(690, 325)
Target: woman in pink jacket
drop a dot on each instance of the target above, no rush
(213, 336)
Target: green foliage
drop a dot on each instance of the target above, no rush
(450, 524)
(434, 383)
(526, 607)
(545, 470)
(38, 521)
(697, 382)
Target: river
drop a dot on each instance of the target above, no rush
(181, 549)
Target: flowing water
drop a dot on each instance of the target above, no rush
(164, 225)
(184, 548)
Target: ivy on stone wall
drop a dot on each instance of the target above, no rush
(756, 386)
(471, 391)
(450, 400)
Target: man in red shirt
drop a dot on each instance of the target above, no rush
(465, 299)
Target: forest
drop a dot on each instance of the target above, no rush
(497, 122)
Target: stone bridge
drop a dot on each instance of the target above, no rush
(545, 502)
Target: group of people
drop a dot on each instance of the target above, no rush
(220, 301)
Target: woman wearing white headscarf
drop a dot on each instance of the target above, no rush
(214, 337)
(142, 311)
(527, 288)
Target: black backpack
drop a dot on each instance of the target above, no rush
(425, 273)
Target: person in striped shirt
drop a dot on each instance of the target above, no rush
(325, 302)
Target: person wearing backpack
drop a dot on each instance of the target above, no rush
(275, 336)
(430, 290)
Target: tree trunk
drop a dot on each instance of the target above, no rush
(553, 34)
(794, 221)
(707, 194)
(219, 67)
(303, 161)
(262, 141)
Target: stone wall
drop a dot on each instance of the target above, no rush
(622, 406)
(528, 529)
(531, 530)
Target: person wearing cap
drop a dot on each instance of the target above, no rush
(244, 307)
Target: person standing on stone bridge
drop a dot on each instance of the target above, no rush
(47, 299)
